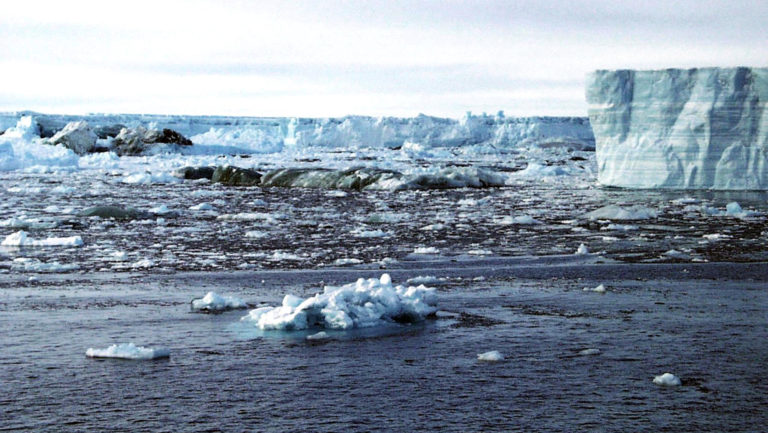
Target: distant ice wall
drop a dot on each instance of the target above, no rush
(681, 128)
(268, 135)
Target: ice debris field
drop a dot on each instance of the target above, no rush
(125, 193)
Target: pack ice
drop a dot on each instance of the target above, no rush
(704, 128)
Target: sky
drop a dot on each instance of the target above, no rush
(316, 58)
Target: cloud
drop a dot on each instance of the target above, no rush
(339, 57)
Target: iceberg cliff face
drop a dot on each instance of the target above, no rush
(681, 128)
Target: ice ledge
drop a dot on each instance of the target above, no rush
(703, 128)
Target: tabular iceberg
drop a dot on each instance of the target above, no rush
(681, 128)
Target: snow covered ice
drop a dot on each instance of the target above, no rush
(492, 356)
(681, 128)
(365, 303)
(21, 239)
(128, 351)
(213, 302)
(667, 379)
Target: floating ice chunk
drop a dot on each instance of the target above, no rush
(537, 170)
(598, 289)
(667, 379)
(23, 222)
(252, 216)
(675, 254)
(347, 261)
(613, 212)
(128, 351)
(322, 335)
(582, 250)
(620, 227)
(143, 263)
(63, 190)
(480, 252)
(118, 256)
(150, 178)
(255, 234)
(426, 250)
(160, 210)
(21, 239)
(279, 256)
(386, 217)
(24, 264)
(716, 236)
(425, 279)
(518, 220)
(361, 233)
(365, 303)
(492, 356)
(21, 148)
(685, 201)
(213, 302)
(434, 227)
(733, 209)
(589, 352)
(336, 194)
(202, 206)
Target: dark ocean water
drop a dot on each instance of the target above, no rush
(705, 323)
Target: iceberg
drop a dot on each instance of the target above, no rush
(704, 128)
(365, 303)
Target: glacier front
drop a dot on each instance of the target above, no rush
(704, 128)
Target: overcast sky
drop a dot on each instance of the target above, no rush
(330, 58)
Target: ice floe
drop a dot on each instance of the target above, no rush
(213, 302)
(613, 212)
(365, 303)
(128, 351)
(21, 239)
(492, 356)
(518, 220)
(599, 289)
(426, 250)
(26, 264)
(667, 379)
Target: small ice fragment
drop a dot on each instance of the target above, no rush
(733, 209)
(582, 250)
(255, 234)
(128, 351)
(347, 261)
(21, 239)
(598, 289)
(426, 250)
(667, 379)
(519, 220)
(588, 352)
(492, 356)
(202, 206)
(322, 335)
(119, 256)
(160, 210)
(213, 302)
